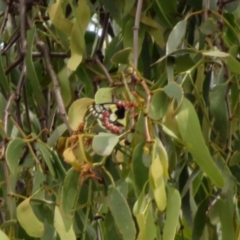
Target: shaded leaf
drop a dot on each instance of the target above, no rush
(70, 191)
(140, 171)
(158, 105)
(176, 36)
(172, 213)
(13, 154)
(31, 72)
(122, 56)
(121, 214)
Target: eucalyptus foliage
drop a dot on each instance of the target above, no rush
(174, 173)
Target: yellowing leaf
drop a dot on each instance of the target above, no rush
(172, 214)
(77, 112)
(3, 236)
(77, 42)
(57, 17)
(103, 95)
(60, 223)
(28, 220)
(159, 150)
(157, 183)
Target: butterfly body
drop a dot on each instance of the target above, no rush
(110, 115)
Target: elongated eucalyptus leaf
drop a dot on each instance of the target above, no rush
(31, 71)
(77, 44)
(122, 214)
(70, 191)
(190, 131)
(47, 157)
(200, 220)
(172, 213)
(60, 223)
(227, 219)
(157, 183)
(140, 171)
(176, 36)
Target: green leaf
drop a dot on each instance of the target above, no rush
(175, 91)
(235, 158)
(110, 231)
(47, 157)
(3, 78)
(216, 53)
(28, 220)
(127, 8)
(158, 105)
(176, 36)
(219, 114)
(60, 223)
(144, 214)
(104, 143)
(172, 213)
(122, 56)
(200, 220)
(140, 171)
(157, 183)
(166, 12)
(77, 111)
(233, 64)
(227, 218)
(13, 154)
(121, 214)
(63, 77)
(77, 41)
(56, 134)
(190, 131)
(208, 26)
(58, 19)
(70, 191)
(3, 236)
(31, 72)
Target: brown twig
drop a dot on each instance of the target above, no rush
(148, 94)
(42, 48)
(105, 71)
(14, 64)
(4, 146)
(51, 54)
(5, 18)
(135, 33)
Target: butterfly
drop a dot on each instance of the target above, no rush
(111, 116)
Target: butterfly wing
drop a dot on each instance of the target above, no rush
(110, 116)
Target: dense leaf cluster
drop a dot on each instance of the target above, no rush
(173, 173)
